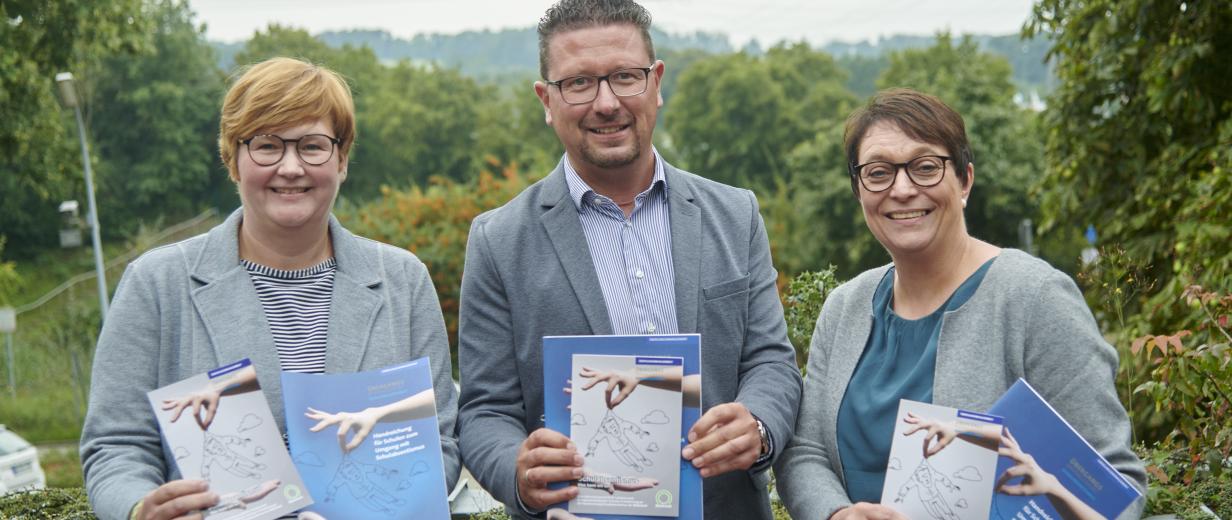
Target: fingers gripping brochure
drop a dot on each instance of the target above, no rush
(627, 403)
(367, 443)
(219, 428)
(942, 462)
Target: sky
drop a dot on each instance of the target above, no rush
(768, 21)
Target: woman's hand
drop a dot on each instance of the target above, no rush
(178, 499)
(867, 511)
(943, 432)
(362, 422)
(616, 380)
(205, 398)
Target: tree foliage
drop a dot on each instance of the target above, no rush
(40, 164)
(1140, 133)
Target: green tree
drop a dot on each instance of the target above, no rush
(156, 122)
(1140, 134)
(39, 159)
(735, 118)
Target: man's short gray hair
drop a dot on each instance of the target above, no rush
(568, 15)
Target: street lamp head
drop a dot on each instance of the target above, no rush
(68, 93)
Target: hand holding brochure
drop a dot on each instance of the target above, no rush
(220, 429)
(627, 403)
(942, 462)
(1061, 476)
(367, 443)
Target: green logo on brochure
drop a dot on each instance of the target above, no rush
(292, 492)
(663, 498)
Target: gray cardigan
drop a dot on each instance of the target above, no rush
(185, 308)
(1025, 320)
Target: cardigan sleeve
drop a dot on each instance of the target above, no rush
(806, 479)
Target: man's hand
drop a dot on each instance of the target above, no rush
(179, 499)
(724, 439)
(867, 511)
(615, 379)
(546, 456)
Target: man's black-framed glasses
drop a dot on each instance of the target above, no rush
(923, 171)
(313, 149)
(577, 90)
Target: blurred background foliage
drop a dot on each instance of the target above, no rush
(1112, 114)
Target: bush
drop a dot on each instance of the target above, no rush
(805, 295)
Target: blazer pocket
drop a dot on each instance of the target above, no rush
(728, 288)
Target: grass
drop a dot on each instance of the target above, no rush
(62, 467)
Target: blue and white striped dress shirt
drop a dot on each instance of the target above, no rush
(632, 256)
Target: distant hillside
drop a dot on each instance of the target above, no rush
(491, 55)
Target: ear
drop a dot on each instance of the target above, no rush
(970, 176)
(342, 168)
(657, 72)
(543, 92)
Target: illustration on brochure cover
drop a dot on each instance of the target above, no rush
(368, 442)
(1063, 476)
(221, 430)
(627, 403)
(942, 462)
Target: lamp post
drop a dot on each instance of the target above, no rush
(68, 96)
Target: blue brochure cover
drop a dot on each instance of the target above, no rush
(631, 440)
(1084, 481)
(367, 443)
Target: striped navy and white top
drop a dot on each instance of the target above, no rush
(296, 306)
(632, 256)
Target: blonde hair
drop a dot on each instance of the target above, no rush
(281, 93)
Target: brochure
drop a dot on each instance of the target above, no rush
(1085, 484)
(943, 462)
(367, 443)
(627, 402)
(219, 428)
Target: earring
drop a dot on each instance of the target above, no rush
(964, 201)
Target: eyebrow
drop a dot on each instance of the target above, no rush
(918, 151)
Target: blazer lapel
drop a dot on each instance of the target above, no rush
(560, 220)
(686, 225)
(228, 305)
(356, 301)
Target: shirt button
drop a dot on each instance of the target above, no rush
(650, 327)
(639, 274)
(628, 224)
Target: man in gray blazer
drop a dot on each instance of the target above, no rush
(617, 241)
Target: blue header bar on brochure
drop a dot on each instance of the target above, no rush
(224, 370)
(963, 414)
(658, 361)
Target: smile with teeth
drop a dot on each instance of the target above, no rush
(289, 191)
(609, 129)
(904, 215)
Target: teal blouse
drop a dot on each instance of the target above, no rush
(898, 362)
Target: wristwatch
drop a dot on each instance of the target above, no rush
(765, 439)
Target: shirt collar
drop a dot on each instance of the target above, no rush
(578, 189)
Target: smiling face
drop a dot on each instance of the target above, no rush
(610, 133)
(907, 219)
(290, 194)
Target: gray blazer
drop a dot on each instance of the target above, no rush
(1025, 320)
(188, 307)
(528, 274)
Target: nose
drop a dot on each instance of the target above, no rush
(290, 165)
(606, 101)
(902, 186)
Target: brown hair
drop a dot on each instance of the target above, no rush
(922, 117)
(569, 15)
(280, 93)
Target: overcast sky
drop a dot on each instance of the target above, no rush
(818, 21)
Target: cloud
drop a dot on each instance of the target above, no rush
(652, 447)
(656, 417)
(969, 473)
(249, 422)
(578, 420)
(895, 464)
(309, 458)
(181, 452)
(962, 503)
